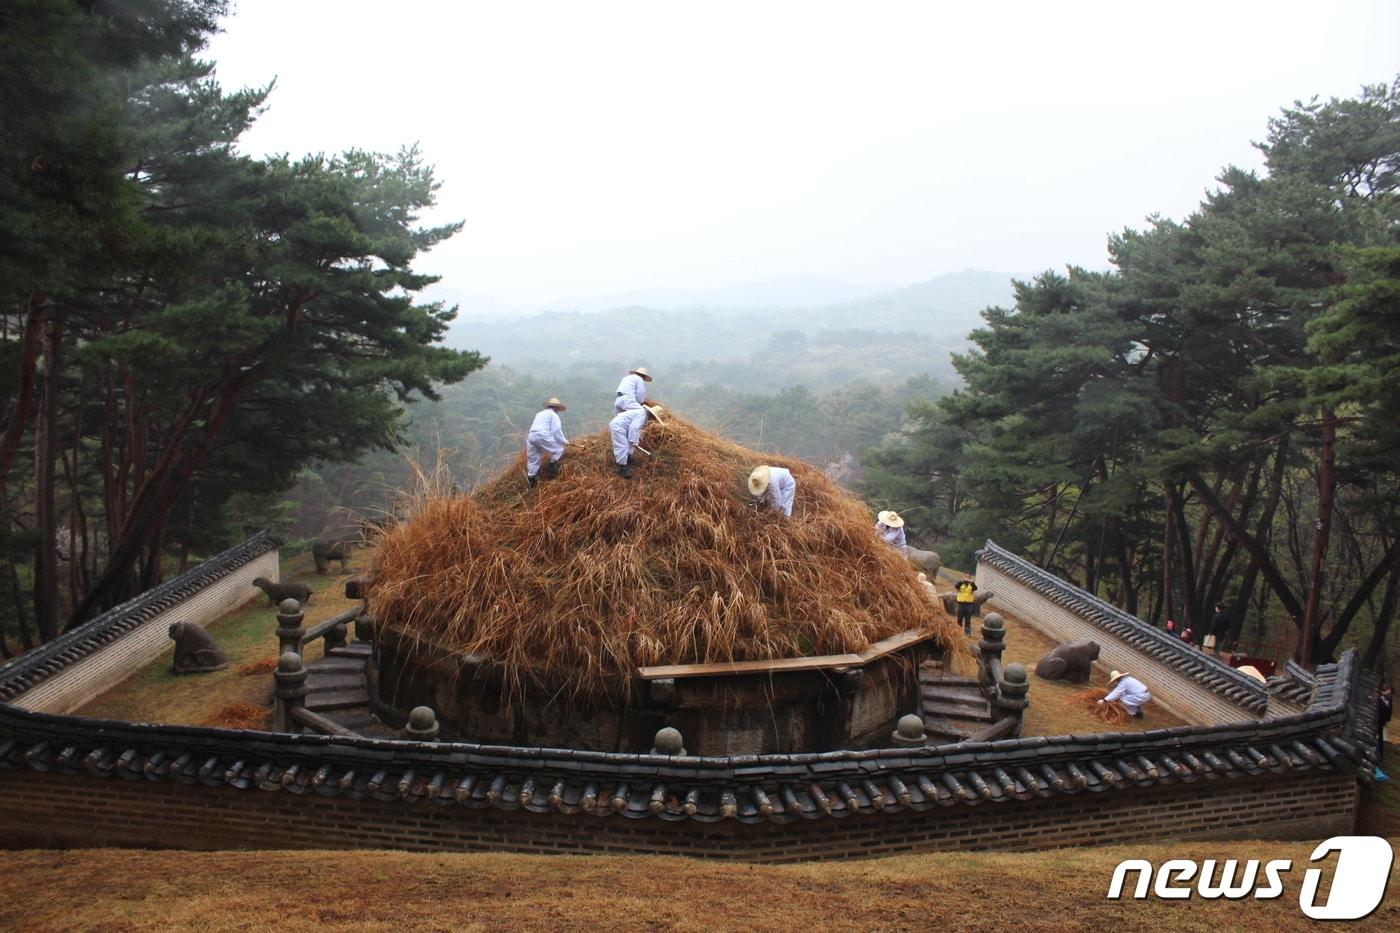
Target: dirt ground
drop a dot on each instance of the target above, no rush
(114, 890)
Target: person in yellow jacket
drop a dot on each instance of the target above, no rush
(966, 600)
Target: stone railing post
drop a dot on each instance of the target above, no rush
(290, 678)
(909, 732)
(1012, 690)
(422, 725)
(668, 741)
(989, 651)
(289, 619)
(337, 636)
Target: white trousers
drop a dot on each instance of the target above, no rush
(536, 448)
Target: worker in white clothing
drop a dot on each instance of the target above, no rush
(773, 486)
(632, 390)
(626, 430)
(545, 439)
(1129, 691)
(890, 526)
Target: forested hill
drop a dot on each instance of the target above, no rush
(944, 309)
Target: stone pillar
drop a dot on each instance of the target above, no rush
(290, 677)
(289, 619)
(422, 725)
(910, 732)
(1012, 692)
(989, 651)
(336, 636)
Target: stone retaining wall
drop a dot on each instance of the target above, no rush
(64, 811)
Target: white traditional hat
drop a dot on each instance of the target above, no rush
(1114, 675)
(890, 519)
(655, 412)
(641, 371)
(555, 403)
(758, 480)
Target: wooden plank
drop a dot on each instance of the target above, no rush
(814, 663)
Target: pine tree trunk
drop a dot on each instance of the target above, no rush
(45, 493)
(1327, 491)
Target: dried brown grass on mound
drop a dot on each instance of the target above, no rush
(580, 581)
(238, 716)
(1110, 713)
(260, 666)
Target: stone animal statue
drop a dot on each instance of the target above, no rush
(276, 592)
(950, 602)
(325, 550)
(196, 652)
(927, 561)
(1069, 662)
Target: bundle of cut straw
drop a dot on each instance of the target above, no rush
(1111, 713)
(578, 582)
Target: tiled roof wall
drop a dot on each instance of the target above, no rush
(79, 665)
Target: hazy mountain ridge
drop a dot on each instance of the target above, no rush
(945, 308)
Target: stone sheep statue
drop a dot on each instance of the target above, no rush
(196, 652)
(1069, 662)
(325, 550)
(276, 592)
(927, 561)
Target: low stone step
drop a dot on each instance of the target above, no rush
(335, 681)
(354, 649)
(334, 664)
(950, 680)
(320, 701)
(962, 695)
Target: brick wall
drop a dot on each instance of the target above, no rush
(90, 677)
(52, 810)
(1173, 690)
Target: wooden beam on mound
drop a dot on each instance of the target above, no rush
(815, 663)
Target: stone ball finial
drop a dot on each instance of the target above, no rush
(993, 620)
(1014, 673)
(668, 741)
(909, 732)
(289, 607)
(289, 662)
(422, 724)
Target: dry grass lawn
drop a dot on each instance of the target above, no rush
(115, 890)
(247, 635)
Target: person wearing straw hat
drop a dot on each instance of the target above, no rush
(632, 390)
(1129, 691)
(890, 526)
(626, 430)
(773, 486)
(545, 439)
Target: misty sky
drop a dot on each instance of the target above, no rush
(596, 149)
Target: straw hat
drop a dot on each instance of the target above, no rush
(1114, 675)
(640, 371)
(890, 519)
(758, 480)
(1249, 670)
(555, 404)
(655, 412)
